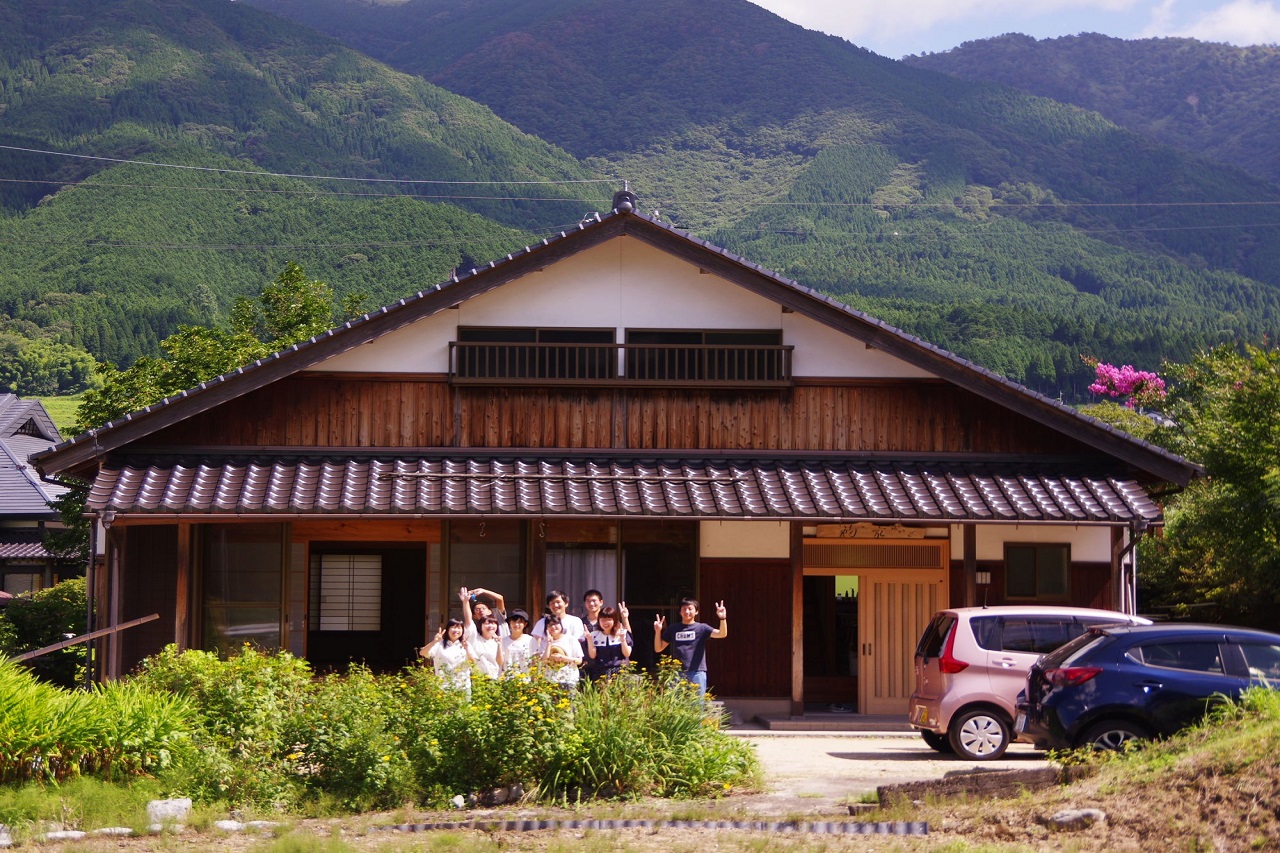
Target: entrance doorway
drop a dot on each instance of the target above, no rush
(831, 641)
(865, 606)
(367, 604)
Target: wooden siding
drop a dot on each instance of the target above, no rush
(426, 412)
(1090, 586)
(754, 660)
(149, 578)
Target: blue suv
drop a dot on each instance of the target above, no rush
(1120, 682)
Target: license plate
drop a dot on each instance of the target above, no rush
(1020, 723)
(922, 715)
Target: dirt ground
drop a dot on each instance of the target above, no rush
(808, 777)
(811, 778)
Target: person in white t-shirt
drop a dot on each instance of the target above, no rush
(486, 648)
(449, 654)
(558, 606)
(519, 649)
(563, 654)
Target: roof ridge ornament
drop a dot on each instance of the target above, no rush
(624, 200)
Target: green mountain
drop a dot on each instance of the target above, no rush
(1015, 230)
(113, 257)
(1216, 100)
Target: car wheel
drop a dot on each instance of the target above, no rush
(979, 735)
(1112, 734)
(937, 741)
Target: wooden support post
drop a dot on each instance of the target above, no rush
(797, 620)
(970, 532)
(182, 595)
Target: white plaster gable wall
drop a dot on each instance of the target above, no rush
(621, 284)
(1089, 544)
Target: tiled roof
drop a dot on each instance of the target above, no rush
(22, 543)
(25, 429)
(781, 488)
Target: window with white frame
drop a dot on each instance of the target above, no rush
(1037, 571)
(346, 592)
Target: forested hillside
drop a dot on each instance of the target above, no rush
(1013, 229)
(113, 257)
(1217, 100)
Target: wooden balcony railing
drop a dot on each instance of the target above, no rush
(656, 365)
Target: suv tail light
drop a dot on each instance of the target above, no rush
(948, 662)
(1070, 676)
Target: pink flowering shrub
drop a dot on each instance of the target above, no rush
(1142, 387)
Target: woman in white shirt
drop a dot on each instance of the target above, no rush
(486, 648)
(449, 654)
(519, 649)
(563, 654)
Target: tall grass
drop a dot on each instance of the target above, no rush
(51, 734)
(257, 731)
(633, 735)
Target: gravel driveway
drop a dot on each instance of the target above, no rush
(819, 774)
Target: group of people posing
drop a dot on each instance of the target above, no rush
(598, 644)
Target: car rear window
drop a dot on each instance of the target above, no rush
(1069, 653)
(930, 645)
(1196, 656)
(1033, 634)
(1262, 659)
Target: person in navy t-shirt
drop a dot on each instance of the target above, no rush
(688, 640)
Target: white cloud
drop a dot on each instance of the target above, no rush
(1238, 22)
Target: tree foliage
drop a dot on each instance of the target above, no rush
(41, 366)
(44, 618)
(1221, 543)
(288, 310)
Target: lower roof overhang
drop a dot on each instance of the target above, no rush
(23, 543)
(835, 487)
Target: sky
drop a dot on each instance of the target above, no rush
(896, 28)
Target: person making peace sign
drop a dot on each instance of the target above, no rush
(688, 640)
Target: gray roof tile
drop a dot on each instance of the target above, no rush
(782, 488)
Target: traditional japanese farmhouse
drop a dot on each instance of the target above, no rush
(621, 407)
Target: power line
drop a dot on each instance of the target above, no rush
(258, 173)
(303, 192)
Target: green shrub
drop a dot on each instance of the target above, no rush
(41, 619)
(243, 705)
(147, 731)
(271, 737)
(341, 745)
(638, 736)
(507, 733)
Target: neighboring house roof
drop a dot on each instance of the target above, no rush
(532, 485)
(25, 429)
(85, 450)
(22, 543)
